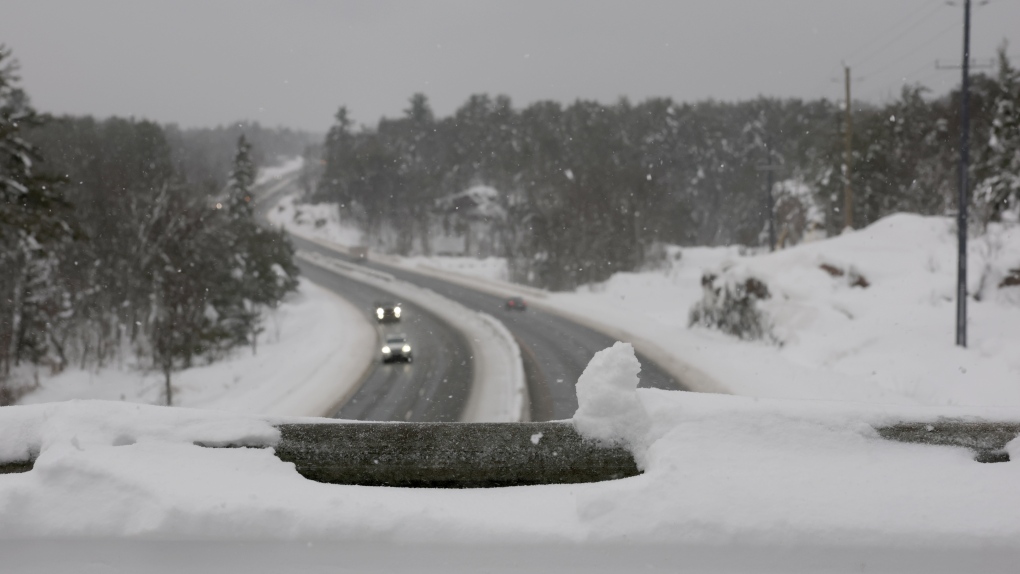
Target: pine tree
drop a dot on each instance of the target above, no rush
(263, 270)
(30, 224)
(999, 191)
(242, 179)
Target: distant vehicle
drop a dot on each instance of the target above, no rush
(397, 348)
(516, 304)
(388, 312)
(360, 254)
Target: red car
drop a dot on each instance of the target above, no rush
(515, 304)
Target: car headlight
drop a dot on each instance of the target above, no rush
(396, 311)
(379, 312)
(386, 350)
(406, 348)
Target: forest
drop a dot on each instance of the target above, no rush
(124, 241)
(589, 189)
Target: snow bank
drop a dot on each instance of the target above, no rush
(721, 471)
(873, 311)
(313, 221)
(288, 167)
(608, 406)
(828, 336)
(499, 390)
(314, 352)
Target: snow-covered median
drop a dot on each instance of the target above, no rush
(313, 354)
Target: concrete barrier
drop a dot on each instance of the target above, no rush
(987, 440)
(450, 455)
(480, 455)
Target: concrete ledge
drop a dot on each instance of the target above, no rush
(450, 455)
(987, 440)
(437, 455)
(16, 466)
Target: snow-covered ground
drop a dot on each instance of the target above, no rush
(889, 342)
(733, 476)
(314, 351)
(767, 482)
(322, 220)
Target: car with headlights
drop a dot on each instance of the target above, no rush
(387, 312)
(397, 348)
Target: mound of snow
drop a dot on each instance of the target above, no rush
(608, 406)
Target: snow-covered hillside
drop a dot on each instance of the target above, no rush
(830, 337)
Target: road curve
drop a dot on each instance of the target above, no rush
(435, 388)
(555, 350)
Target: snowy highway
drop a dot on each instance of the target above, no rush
(433, 388)
(555, 350)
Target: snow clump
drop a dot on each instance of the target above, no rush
(608, 406)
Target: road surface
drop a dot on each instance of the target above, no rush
(434, 388)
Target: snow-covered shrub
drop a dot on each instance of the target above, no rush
(853, 277)
(730, 303)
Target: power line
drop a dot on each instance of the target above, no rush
(916, 48)
(902, 33)
(876, 89)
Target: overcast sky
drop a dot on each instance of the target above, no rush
(294, 63)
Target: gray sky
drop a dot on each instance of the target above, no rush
(293, 63)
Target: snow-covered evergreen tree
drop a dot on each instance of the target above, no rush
(30, 223)
(242, 179)
(998, 193)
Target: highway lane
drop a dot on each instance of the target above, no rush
(433, 388)
(555, 350)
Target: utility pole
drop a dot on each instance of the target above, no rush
(770, 209)
(848, 194)
(770, 205)
(962, 198)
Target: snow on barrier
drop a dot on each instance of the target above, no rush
(499, 390)
(485, 455)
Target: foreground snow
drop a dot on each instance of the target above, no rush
(314, 351)
(891, 342)
(720, 472)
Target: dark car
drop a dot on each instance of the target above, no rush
(516, 304)
(397, 348)
(387, 312)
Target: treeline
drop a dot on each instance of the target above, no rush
(205, 156)
(110, 249)
(589, 189)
